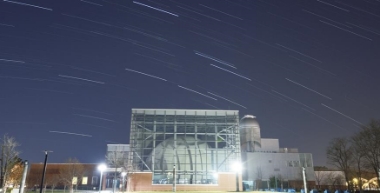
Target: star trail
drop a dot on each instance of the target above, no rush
(70, 71)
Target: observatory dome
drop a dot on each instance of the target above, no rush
(249, 121)
(250, 137)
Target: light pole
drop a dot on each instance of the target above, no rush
(1, 166)
(23, 176)
(236, 166)
(101, 168)
(44, 170)
(123, 182)
(304, 179)
(174, 180)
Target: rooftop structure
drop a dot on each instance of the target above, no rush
(263, 159)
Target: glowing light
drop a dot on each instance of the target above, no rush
(102, 167)
(237, 167)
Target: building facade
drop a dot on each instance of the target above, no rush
(79, 176)
(116, 159)
(193, 148)
(267, 166)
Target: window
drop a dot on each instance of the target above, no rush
(84, 180)
(75, 180)
(94, 180)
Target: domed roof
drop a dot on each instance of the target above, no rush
(249, 121)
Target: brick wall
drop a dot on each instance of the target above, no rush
(143, 182)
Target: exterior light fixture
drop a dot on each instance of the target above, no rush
(101, 168)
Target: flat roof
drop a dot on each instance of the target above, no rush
(185, 112)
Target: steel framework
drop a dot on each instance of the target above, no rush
(200, 143)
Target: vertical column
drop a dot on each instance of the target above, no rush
(215, 167)
(154, 145)
(174, 179)
(24, 177)
(237, 137)
(44, 171)
(205, 174)
(175, 149)
(304, 179)
(131, 144)
(196, 147)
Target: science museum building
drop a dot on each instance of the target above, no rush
(186, 149)
(197, 149)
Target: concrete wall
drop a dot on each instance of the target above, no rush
(264, 165)
(268, 145)
(143, 182)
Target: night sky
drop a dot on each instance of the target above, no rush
(71, 70)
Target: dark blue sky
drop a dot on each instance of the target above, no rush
(307, 69)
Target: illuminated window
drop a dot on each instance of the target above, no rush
(75, 180)
(84, 180)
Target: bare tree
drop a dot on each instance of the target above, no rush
(116, 159)
(368, 139)
(259, 177)
(359, 158)
(320, 176)
(340, 153)
(52, 181)
(9, 158)
(34, 176)
(71, 173)
(132, 179)
(331, 178)
(15, 175)
(339, 179)
(281, 179)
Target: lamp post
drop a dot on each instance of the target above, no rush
(23, 177)
(1, 166)
(304, 179)
(44, 170)
(123, 182)
(237, 167)
(174, 179)
(101, 168)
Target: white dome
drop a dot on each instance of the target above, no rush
(249, 121)
(250, 137)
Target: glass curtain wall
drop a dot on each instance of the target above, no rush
(199, 143)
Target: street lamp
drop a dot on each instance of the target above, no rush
(44, 170)
(101, 168)
(237, 167)
(304, 179)
(123, 182)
